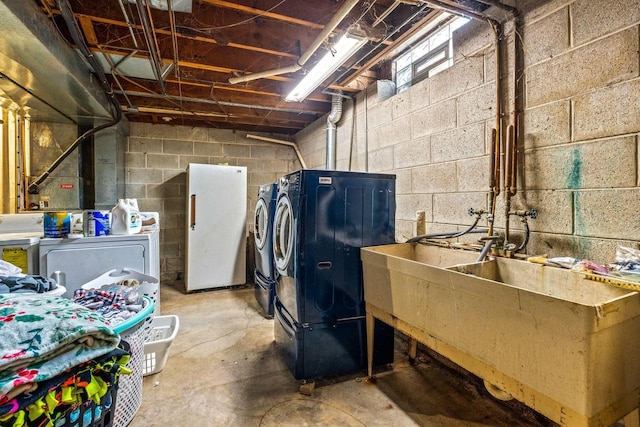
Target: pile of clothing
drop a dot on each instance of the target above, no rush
(116, 302)
(57, 357)
(13, 281)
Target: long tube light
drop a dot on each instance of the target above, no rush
(348, 44)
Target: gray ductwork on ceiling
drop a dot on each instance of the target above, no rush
(48, 81)
(41, 73)
(332, 130)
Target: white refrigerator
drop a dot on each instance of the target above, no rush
(216, 226)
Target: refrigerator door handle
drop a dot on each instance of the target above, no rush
(193, 212)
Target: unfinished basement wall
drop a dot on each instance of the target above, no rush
(578, 152)
(155, 167)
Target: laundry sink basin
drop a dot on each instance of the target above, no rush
(562, 344)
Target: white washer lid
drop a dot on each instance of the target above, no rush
(19, 238)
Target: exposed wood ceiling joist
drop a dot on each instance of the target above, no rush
(225, 38)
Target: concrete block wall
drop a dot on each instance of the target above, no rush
(581, 129)
(155, 166)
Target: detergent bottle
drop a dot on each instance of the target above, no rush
(125, 218)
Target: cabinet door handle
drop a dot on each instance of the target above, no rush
(193, 211)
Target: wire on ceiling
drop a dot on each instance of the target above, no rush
(246, 21)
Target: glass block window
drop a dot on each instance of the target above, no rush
(427, 58)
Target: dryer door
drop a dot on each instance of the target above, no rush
(283, 231)
(261, 223)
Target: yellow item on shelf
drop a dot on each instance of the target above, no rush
(538, 259)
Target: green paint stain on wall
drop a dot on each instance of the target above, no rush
(574, 180)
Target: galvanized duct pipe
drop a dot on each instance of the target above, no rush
(72, 25)
(332, 130)
(282, 142)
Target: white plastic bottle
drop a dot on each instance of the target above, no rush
(125, 219)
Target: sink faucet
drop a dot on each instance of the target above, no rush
(489, 242)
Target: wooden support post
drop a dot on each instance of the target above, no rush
(370, 329)
(413, 349)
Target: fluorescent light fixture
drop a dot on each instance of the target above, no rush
(340, 52)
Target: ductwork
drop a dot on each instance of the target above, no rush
(282, 142)
(332, 130)
(328, 29)
(69, 19)
(42, 73)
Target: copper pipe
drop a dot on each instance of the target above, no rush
(492, 162)
(492, 181)
(513, 157)
(518, 96)
(497, 135)
(495, 151)
(509, 156)
(509, 161)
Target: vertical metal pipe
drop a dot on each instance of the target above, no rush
(509, 160)
(332, 130)
(366, 130)
(492, 181)
(518, 96)
(495, 172)
(513, 157)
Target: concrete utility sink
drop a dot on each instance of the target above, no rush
(564, 345)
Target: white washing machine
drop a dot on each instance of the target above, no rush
(75, 262)
(21, 250)
(22, 223)
(20, 236)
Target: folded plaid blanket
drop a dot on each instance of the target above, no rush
(41, 337)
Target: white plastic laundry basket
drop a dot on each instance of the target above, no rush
(156, 349)
(133, 332)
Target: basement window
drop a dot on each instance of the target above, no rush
(428, 57)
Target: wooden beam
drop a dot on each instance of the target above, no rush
(189, 64)
(182, 36)
(88, 30)
(217, 118)
(220, 94)
(260, 12)
(403, 38)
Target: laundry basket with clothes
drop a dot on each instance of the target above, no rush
(57, 358)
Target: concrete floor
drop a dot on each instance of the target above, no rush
(224, 370)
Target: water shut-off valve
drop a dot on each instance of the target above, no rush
(531, 213)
